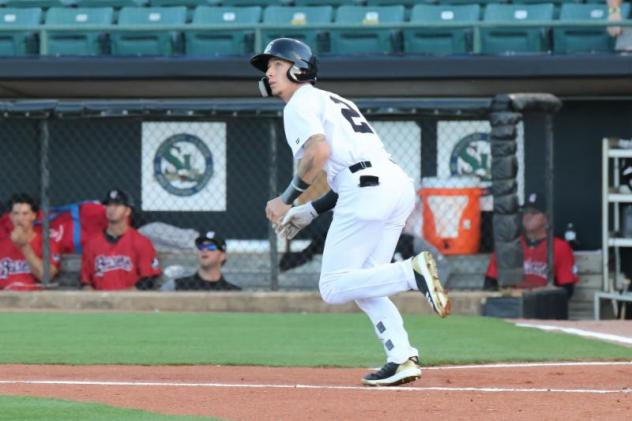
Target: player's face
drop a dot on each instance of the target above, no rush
(22, 215)
(533, 221)
(210, 258)
(116, 212)
(277, 78)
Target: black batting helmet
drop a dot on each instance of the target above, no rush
(305, 67)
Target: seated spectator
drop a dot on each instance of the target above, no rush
(211, 256)
(533, 241)
(21, 263)
(120, 257)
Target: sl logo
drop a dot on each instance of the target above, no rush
(471, 156)
(183, 164)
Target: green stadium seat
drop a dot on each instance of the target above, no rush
(117, 4)
(228, 40)
(298, 17)
(191, 4)
(508, 39)
(333, 3)
(584, 40)
(78, 43)
(248, 3)
(151, 41)
(441, 40)
(367, 39)
(22, 42)
(42, 4)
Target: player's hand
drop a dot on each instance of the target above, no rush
(296, 219)
(614, 30)
(19, 237)
(275, 210)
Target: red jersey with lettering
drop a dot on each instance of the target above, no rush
(15, 273)
(535, 264)
(118, 265)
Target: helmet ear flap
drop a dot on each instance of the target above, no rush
(294, 73)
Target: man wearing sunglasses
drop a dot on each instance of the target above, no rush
(211, 256)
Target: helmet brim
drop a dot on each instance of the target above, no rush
(260, 61)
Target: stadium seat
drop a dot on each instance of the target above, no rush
(333, 3)
(42, 4)
(151, 41)
(507, 39)
(584, 40)
(191, 4)
(367, 39)
(78, 43)
(19, 43)
(228, 40)
(111, 3)
(248, 3)
(441, 40)
(298, 17)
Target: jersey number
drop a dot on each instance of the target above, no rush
(350, 114)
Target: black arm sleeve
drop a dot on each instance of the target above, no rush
(325, 202)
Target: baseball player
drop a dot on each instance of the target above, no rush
(372, 197)
(120, 257)
(21, 263)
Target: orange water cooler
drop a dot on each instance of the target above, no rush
(451, 214)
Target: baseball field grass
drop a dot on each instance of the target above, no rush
(307, 340)
(32, 409)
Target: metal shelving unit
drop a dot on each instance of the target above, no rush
(612, 197)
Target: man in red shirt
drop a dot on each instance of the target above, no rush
(533, 241)
(120, 257)
(21, 264)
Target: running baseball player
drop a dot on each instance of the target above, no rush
(372, 197)
(119, 257)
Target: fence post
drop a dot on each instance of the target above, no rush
(45, 183)
(274, 254)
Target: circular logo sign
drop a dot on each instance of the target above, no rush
(471, 156)
(183, 164)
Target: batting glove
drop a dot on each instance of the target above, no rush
(296, 219)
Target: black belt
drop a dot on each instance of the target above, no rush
(360, 166)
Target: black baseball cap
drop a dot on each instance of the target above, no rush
(119, 197)
(211, 236)
(534, 202)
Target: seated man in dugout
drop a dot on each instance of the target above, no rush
(120, 257)
(21, 262)
(211, 256)
(533, 241)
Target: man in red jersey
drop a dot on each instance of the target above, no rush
(21, 264)
(533, 241)
(119, 258)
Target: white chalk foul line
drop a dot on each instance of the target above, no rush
(580, 332)
(310, 386)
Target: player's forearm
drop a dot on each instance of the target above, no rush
(315, 155)
(36, 264)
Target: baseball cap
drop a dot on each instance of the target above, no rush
(211, 236)
(534, 201)
(118, 196)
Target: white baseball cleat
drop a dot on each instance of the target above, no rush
(429, 284)
(393, 374)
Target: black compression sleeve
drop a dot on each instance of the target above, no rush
(325, 202)
(294, 190)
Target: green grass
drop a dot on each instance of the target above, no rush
(344, 340)
(16, 408)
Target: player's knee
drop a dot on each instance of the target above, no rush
(329, 292)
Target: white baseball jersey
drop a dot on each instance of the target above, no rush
(350, 137)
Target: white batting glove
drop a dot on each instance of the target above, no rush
(296, 219)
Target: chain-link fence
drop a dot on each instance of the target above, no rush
(195, 167)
